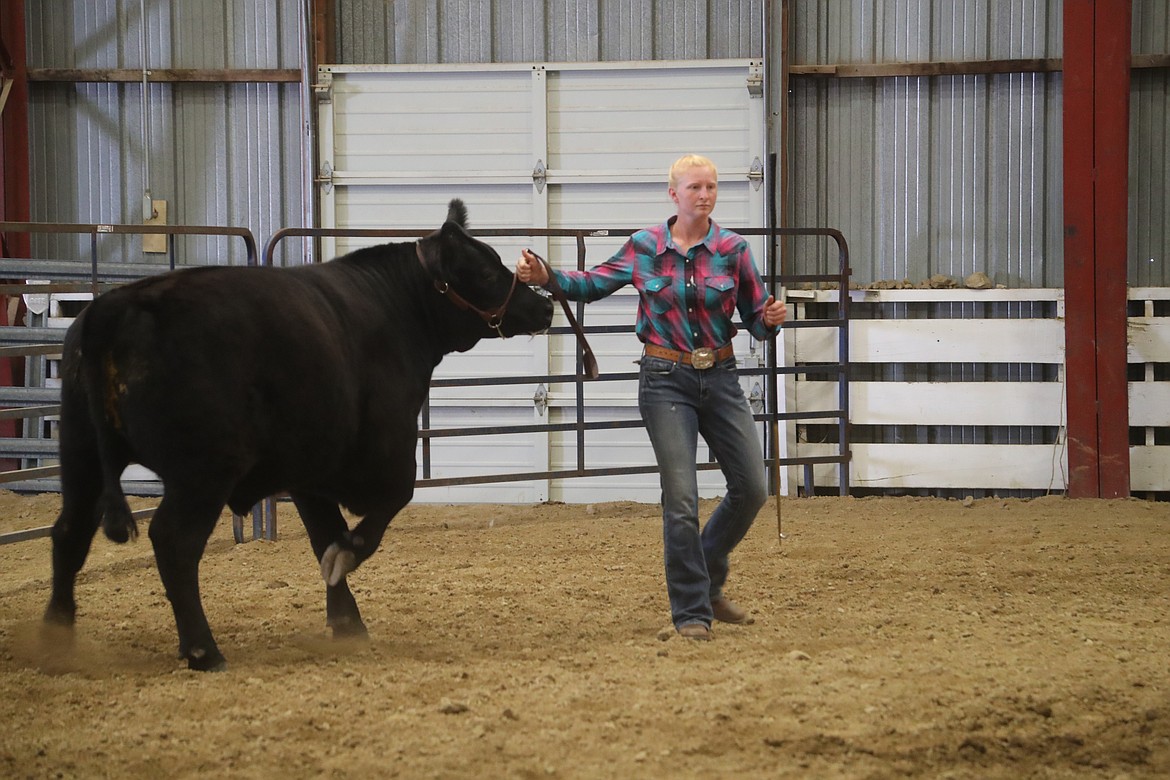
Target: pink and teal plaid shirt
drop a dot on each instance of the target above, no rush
(684, 301)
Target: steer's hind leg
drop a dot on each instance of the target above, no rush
(73, 532)
(179, 532)
(72, 537)
(326, 526)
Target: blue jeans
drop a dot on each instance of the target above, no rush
(678, 403)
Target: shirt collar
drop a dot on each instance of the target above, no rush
(666, 240)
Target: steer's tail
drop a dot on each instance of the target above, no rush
(94, 397)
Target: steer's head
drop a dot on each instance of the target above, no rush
(473, 278)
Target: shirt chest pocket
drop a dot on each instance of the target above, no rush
(719, 294)
(659, 294)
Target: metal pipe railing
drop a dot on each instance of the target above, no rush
(579, 425)
(264, 516)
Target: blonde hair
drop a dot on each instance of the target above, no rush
(687, 162)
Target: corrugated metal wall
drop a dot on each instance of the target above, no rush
(1149, 151)
(924, 175)
(219, 154)
(434, 31)
(956, 174)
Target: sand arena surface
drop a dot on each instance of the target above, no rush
(893, 638)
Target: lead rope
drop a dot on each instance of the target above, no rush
(589, 362)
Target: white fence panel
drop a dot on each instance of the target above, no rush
(901, 338)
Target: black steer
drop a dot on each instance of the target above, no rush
(233, 384)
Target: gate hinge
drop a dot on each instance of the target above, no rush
(326, 176)
(540, 399)
(756, 399)
(756, 173)
(539, 175)
(323, 88)
(755, 79)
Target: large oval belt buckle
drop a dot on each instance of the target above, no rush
(703, 357)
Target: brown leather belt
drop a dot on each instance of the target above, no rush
(701, 358)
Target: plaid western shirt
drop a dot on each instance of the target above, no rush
(685, 301)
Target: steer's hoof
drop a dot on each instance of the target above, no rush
(59, 617)
(349, 628)
(336, 563)
(200, 660)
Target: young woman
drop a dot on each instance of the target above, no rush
(691, 276)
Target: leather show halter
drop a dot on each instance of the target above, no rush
(588, 360)
(493, 317)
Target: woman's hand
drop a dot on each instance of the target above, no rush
(775, 312)
(530, 270)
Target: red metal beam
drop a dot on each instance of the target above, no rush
(14, 168)
(14, 200)
(1111, 72)
(323, 28)
(1096, 207)
(1079, 296)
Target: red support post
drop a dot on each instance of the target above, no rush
(1096, 209)
(1111, 73)
(1079, 297)
(14, 160)
(14, 167)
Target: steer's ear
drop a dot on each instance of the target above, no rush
(457, 213)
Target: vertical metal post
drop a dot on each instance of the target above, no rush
(93, 263)
(1111, 75)
(270, 515)
(580, 363)
(843, 299)
(772, 349)
(15, 198)
(1096, 160)
(426, 442)
(1079, 239)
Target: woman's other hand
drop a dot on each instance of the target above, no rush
(775, 312)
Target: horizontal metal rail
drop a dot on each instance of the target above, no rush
(11, 396)
(34, 473)
(46, 530)
(29, 350)
(29, 411)
(34, 288)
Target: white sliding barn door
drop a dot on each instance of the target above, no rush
(539, 145)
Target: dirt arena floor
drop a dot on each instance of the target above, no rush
(893, 638)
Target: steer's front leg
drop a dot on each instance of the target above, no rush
(347, 553)
(325, 524)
